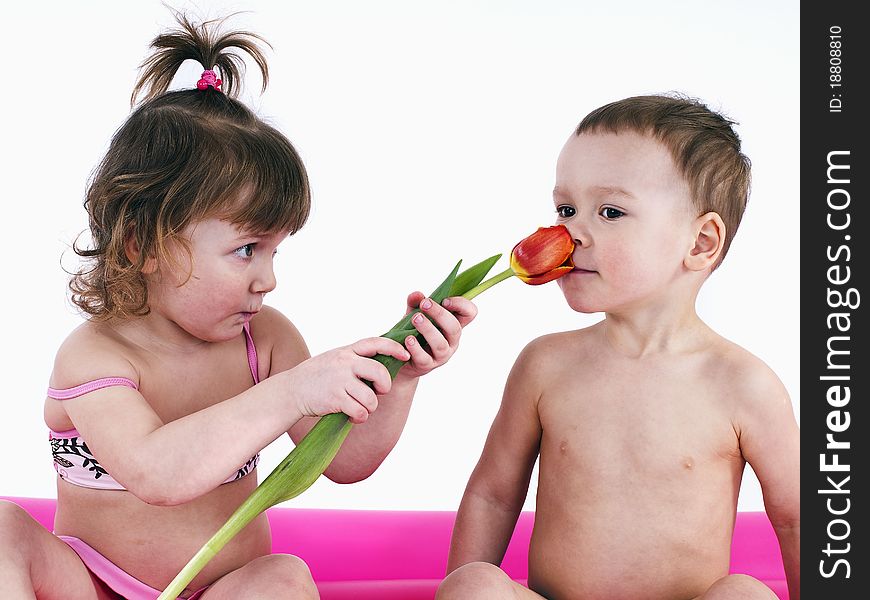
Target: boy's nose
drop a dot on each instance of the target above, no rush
(582, 241)
(579, 233)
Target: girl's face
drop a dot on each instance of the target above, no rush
(630, 213)
(230, 273)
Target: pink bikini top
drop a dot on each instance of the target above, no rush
(73, 460)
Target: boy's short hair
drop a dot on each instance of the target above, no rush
(702, 142)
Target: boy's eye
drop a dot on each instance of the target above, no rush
(608, 212)
(565, 211)
(246, 251)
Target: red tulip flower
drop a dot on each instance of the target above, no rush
(543, 256)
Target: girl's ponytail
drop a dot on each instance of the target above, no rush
(205, 44)
(182, 156)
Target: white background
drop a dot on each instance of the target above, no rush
(430, 132)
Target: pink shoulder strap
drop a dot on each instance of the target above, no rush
(90, 386)
(98, 384)
(252, 353)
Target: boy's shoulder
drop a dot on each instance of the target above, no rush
(546, 353)
(748, 378)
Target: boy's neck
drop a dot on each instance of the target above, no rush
(639, 334)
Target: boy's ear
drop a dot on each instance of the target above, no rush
(709, 240)
(131, 249)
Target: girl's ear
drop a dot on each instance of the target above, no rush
(131, 249)
(709, 240)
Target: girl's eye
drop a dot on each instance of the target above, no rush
(246, 251)
(565, 211)
(610, 213)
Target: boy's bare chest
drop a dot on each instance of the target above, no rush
(654, 420)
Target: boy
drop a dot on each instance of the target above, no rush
(645, 420)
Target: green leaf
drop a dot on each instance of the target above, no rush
(472, 276)
(441, 292)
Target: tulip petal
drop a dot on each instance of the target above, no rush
(546, 277)
(546, 249)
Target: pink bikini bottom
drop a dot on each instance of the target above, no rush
(124, 584)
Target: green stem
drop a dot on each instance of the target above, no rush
(295, 474)
(310, 458)
(506, 274)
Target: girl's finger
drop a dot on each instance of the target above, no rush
(362, 395)
(419, 357)
(445, 320)
(438, 344)
(464, 309)
(380, 345)
(373, 371)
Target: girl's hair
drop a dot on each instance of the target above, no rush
(702, 142)
(180, 157)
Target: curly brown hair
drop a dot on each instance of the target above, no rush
(180, 157)
(702, 142)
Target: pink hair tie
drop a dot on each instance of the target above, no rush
(208, 78)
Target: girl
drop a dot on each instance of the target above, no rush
(160, 402)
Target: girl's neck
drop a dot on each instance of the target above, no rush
(158, 334)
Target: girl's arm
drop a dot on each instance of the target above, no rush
(497, 488)
(167, 463)
(368, 444)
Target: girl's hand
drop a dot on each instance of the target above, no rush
(441, 327)
(334, 381)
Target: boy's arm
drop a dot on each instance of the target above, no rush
(770, 443)
(498, 485)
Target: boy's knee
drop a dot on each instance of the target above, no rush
(739, 587)
(286, 574)
(477, 580)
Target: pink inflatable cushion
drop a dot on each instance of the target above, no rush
(402, 555)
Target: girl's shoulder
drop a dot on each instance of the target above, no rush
(277, 340)
(92, 351)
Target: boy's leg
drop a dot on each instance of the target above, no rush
(272, 577)
(738, 587)
(33, 562)
(482, 581)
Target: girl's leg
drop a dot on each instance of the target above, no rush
(272, 577)
(482, 581)
(33, 562)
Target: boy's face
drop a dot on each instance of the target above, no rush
(630, 213)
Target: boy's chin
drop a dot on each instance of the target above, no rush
(577, 300)
(581, 305)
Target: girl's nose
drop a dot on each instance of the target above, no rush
(264, 281)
